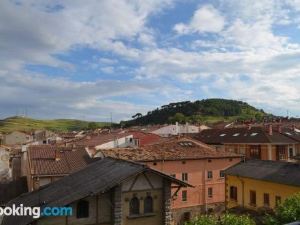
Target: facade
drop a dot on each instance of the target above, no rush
(259, 185)
(177, 129)
(188, 160)
(5, 171)
(108, 192)
(44, 137)
(17, 138)
(265, 143)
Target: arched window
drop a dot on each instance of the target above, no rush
(148, 205)
(134, 206)
(82, 210)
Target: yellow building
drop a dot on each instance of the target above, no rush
(259, 184)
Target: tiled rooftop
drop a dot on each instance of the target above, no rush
(170, 149)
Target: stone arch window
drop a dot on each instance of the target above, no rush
(82, 210)
(148, 204)
(134, 206)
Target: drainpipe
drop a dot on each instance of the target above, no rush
(243, 191)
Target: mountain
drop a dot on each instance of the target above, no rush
(202, 111)
(28, 124)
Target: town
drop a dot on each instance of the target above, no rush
(152, 174)
(149, 112)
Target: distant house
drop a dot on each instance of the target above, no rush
(44, 164)
(188, 160)
(264, 143)
(108, 192)
(260, 184)
(176, 129)
(94, 142)
(17, 138)
(44, 137)
(141, 138)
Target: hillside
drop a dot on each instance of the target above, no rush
(204, 111)
(27, 124)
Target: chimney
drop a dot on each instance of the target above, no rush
(176, 129)
(293, 127)
(279, 128)
(57, 155)
(249, 126)
(270, 129)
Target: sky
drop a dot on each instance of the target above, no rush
(87, 60)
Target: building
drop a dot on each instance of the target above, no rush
(5, 171)
(141, 138)
(261, 184)
(44, 164)
(104, 141)
(44, 137)
(176, 129)
(17, 138)
(265, 143)
(188, 160)
(108, 192)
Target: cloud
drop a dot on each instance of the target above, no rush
(205, 19)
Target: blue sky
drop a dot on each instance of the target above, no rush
(87, 59)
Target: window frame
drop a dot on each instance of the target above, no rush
(82, 209)
(184, 196)
(134, 209)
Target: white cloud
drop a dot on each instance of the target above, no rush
(205, 19)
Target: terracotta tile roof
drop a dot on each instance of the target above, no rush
(242, 135)
(56, 160)
(99, 139)
(171, 149)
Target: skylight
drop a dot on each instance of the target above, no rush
(222, 135)
(236, 134)
(253, 134)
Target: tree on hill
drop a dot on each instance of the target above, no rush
(199, 111)
(178, 117)
(287, 212)
(226, 219)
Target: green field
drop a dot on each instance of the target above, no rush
(28, 124)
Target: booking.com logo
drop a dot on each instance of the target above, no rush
(35, 212)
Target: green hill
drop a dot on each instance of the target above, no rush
(203, 111)
(28, 124)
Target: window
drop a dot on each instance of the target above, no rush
(154, 164)
(209, 160)
(255, 151)
(134, 206)
(266, 199)
(277, 200)
(222, 174)
(209, 174)
(253, 198)
(280, 152)
(148, 204)
(291, 152)
(184, 196)
(233, 193)
(184, 177)
(210, 192)
(82, 210)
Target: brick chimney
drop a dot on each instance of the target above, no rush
(270, 129)
(57, 155)
(280, 128)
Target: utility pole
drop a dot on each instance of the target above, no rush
(111, 120)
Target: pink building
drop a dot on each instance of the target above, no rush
(191, 161)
